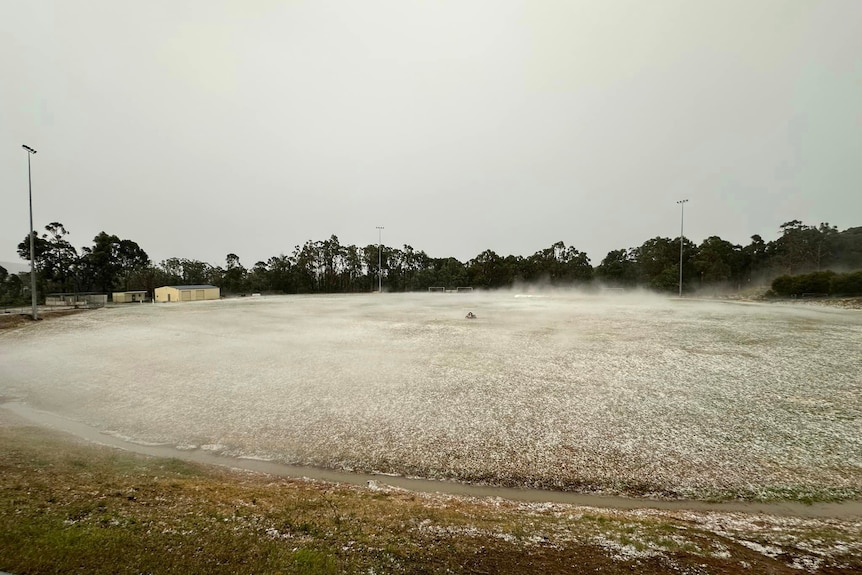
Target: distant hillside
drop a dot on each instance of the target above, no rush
(14, 268)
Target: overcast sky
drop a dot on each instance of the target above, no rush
(200, 128)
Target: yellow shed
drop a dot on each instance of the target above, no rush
(129, 296)
(186, 293)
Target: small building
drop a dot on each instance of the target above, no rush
(76, 299)
(166, 294)
(137, 296)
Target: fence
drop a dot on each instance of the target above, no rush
(76, 300)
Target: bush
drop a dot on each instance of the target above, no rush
(821, 283)
(847, 284)
(784, 286)
(814, 283)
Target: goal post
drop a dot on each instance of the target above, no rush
(461, 289)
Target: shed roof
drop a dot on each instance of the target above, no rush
(192, 287)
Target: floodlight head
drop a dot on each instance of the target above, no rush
(28, 148)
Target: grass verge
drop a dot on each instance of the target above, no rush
(70, 507)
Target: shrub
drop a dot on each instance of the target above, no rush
(784, 286)
(827, 282)
(847, 284)
(814, 283)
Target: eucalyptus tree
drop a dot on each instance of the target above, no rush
(847, 247)
(373, 262)
(658, 263)
(719, 261)
(756, 257)
(10, 288)
(233, 279)
(196, 272)
(55, 258)
(354, 269)
(416, 264)
(258, 279)
(450, 273)
(799, 248)
(394, 264)
(280, 273)
(111, 262)
(170, 271)
(487, 270)
(619, 268)
(306, 268)
(332, 265)
(559, 265)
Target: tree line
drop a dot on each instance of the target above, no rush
(327, 266)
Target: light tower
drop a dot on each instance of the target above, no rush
(379, 259)
(681, 220)
(30, 152)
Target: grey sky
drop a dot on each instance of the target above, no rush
(200, 128)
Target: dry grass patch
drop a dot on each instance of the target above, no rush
(13, 320)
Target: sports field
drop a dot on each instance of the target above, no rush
(634, 395)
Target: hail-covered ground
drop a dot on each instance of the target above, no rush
(627, 394)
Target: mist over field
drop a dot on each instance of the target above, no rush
(621, 393)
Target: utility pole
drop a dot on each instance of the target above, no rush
(30, 152)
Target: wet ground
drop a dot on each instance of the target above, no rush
(640, 396)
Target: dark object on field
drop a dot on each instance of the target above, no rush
(471, 315)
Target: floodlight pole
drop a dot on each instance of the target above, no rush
(30, 152)
(681, 220)
(379, 259)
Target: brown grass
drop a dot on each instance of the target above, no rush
(12, 320)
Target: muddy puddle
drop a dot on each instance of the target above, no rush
(843, 510)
